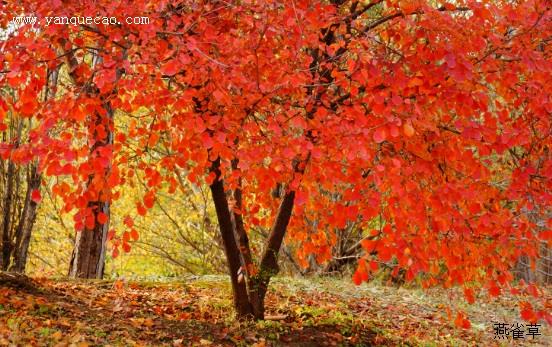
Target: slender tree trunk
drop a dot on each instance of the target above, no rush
(30, 208)
(6, 217)
(26, 222)
(241, 299)
(269, 261)
(248, 268)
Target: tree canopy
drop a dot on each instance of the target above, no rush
(432, 119)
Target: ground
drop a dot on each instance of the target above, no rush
(197, 311)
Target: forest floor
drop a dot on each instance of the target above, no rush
(197, 311)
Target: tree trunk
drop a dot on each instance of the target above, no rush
(269, 261)
(26, 222)
(249, 287)
(20, 212)
(7, 217)
(88, 257)
(241, 299)
(247, 265)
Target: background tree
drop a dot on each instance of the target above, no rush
(20, 179)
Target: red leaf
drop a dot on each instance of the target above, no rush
(532, 290)
(207, 140)
(380, 135)
(170, 68)
(357, 278)
(149, 200)
(134, 235)
(468, 294)
(450, 60)
(301, 198)
(35, 196)
(527, 312)
(494, 290)
(90, 222)
(129, 222)
(141, 209)
(374, 266)
(102, 218)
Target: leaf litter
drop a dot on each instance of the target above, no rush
(198, 312)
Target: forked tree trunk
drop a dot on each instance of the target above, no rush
(241, 300)
(249, 283)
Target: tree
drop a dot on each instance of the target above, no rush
(20, 179)
(87, 101)
(432, 118)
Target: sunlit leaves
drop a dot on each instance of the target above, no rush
(408, 130)
(433, 123)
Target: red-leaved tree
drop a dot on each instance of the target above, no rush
(303, 116)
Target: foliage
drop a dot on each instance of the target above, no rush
(433, 118)
(157, 252)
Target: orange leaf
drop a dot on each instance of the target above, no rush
(408, 130)
(461, 321)
(134, 235)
